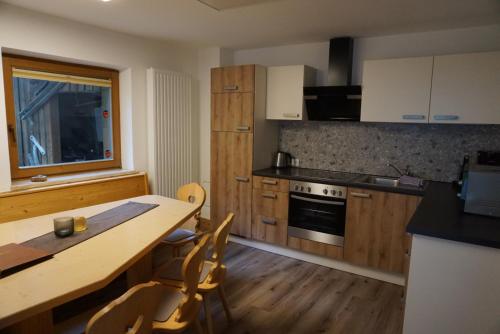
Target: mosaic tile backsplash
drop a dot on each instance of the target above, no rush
(433, 152)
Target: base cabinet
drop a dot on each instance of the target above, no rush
(375, 233)
(270, 210)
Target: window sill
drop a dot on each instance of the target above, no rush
(53, 180)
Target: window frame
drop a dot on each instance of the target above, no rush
(36, 64)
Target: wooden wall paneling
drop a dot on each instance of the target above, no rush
(375, 228)
(318, 248)
(40, 201)
(232, 112)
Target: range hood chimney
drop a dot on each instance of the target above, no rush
(339, 101)
(340, 61)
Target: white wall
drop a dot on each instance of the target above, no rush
(24, 31)
(453, 288)
(485, 38)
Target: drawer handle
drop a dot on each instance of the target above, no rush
(268, 221)
(361, 195)
(231, 87)
(242, 128)
(242, 179)
(270, 182)
(414, 117)
(445, 117)
(269, 195)
(290, 115)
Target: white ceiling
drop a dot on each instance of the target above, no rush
(267, 23)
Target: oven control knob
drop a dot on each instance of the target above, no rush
(296, 187)
(325, 191)
(308, 189)
(340, 193)
(334, 192)
(301, 188)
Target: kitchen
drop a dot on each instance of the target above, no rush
(356, 160)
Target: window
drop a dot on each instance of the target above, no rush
(61, 117)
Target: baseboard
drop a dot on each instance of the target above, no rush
(322, 261)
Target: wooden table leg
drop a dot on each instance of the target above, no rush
(38, 324)
(141, 271)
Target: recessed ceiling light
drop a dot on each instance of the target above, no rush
(105, 0)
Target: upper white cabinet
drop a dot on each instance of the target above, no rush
(285, 91)
(466, 89)
(396, 90)
(460, 89)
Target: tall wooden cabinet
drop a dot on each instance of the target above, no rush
(241, 141)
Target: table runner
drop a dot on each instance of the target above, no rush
(97, 224)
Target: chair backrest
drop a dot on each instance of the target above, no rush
(221, 236)
(132, 313)
(192, 193)
(191, 271)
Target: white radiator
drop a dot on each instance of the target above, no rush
(170, 131)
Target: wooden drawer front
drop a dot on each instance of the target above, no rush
(269, 229)
(232, 112)
(318, 248)
(233, 79)
(271, 184)
(270, 204)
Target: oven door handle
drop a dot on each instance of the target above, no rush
(319, 201)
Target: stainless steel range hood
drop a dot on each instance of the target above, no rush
(339, 101)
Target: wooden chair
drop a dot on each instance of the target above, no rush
(192, 193)
(212, 275)
(154, 306)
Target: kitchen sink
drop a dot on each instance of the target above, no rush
(383, 181)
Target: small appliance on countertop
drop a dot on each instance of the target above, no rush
(483, 190)
(282, 160)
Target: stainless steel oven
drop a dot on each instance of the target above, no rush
(317, 212)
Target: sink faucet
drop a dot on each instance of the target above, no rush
(401, 173)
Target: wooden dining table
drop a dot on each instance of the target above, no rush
(27, 297)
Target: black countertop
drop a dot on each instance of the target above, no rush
(337, 178)
(439, 215)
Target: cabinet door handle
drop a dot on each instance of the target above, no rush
(269, 195)
(290, 115)
(361, 195)
(271, 182)
(242, 179)
(242, 128)
(446, 117)
(268, 221)
(414, 117)
(231, 87)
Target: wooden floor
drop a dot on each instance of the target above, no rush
(269, 293)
